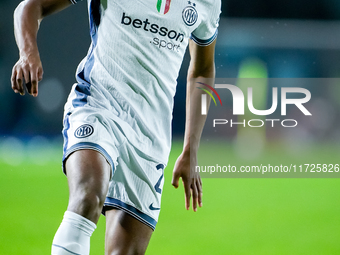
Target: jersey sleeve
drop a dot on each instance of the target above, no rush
(207, 31)
(75, 1)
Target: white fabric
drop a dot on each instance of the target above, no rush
(134, 173)
(137, 54)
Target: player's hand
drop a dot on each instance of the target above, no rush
(185, 169)
(27, 72)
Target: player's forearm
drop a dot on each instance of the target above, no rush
(26, 25)
(27, 17)
(195, 121)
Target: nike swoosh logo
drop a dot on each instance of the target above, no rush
(153, 208)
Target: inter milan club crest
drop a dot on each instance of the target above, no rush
(163, 6)
(83, 131)
(190, 14)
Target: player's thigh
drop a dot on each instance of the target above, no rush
(88, 175)
(124, 234)
(87, 166)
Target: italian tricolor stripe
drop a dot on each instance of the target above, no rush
(163, 6)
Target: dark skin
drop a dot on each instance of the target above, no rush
(27, 17)
(87, 171)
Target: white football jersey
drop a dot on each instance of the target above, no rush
(134, 60)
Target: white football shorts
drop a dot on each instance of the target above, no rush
(137, 180)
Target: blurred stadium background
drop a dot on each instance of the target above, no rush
(286, 38)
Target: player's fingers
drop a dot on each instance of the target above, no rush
(199, 185)
(175, 179)
(19, 81)
(40, 73)
(26, 75)
(200, 192)
(194, 196)
(34, 83)
(200, 204)
(13, 80)
(187, 192)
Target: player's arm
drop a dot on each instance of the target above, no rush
(27, 17)
(201, 68)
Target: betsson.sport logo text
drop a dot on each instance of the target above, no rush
(168, 39)
(239, 105)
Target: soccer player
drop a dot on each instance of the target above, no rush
(117, 119)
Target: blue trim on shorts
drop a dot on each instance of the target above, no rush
(142, 217)
(206, 42)
(65, 129)
(91, 146)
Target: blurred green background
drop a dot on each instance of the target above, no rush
(239, 216)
